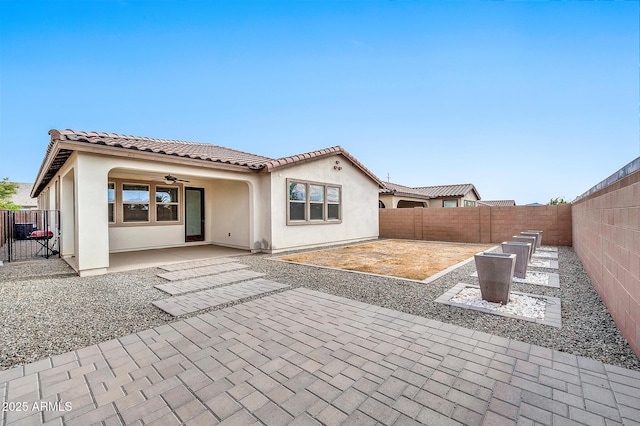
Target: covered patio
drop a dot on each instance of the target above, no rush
(127, 261)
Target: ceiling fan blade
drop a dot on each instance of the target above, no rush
(174, 179)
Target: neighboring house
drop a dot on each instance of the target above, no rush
(497, 203)
(121, 193)
(23, 198)
(398, 196)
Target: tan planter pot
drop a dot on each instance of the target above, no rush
(526, 239)
(537, 234)
(495, 273)
(522, 252)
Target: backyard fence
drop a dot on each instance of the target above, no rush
(478, 224)
(606, 225)
(29, 234)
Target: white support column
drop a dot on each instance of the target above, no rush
(92, 223)
(68, 218)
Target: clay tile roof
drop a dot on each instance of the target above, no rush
(195, 150)
(394, 188)
(439, 191)
(497, 203)
(313, 155)
(22, 197)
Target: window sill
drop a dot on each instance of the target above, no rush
(312, 222)
(142, 224)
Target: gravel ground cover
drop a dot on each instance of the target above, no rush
(45, 311)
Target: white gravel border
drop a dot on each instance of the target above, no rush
(552, 316)
(548, 279)
(543, 263)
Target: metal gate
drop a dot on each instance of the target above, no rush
(29, 234)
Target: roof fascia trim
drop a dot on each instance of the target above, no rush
(281, 163)
(52, 151)
(150, 156)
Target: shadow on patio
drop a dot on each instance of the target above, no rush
(127, 261)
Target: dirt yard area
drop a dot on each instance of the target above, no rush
(416, 260)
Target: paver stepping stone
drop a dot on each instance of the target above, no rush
(543, 263)
(548, 279)
(200, 272)
(546, 254)
(202, 283)
(194, 302)
(547, 248)
(529, 307)
(196, 263)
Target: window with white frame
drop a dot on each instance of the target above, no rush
(333, 203)
(450, 203)
(135, 202)
(297, 201)
(111, 199)
(313, 203)
(167, 203)
(140, 203)
(316, 202)
(469, 203)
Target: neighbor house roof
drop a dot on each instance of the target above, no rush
(22, 197)
(64, 142)
(440, 191)
(444, 191)
(497, 203)
(401, 190)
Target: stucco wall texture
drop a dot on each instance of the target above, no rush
(478, 224)
(606, 229)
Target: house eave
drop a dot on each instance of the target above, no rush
(55, 158)
(407, 195)
(61, 150)
(294, 160)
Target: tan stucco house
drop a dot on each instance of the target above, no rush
(394, 196)
(119, 193)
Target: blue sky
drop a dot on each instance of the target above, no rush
(527, 100)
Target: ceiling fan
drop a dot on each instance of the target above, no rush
(169, 179)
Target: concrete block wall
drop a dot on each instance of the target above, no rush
(400, 224)
(440, 225)
(606, 229)
(477, 224)
(554, 221)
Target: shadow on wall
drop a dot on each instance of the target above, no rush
(261, 245)
(606, 226)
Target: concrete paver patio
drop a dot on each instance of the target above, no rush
(305, 357)
(184, 274)
(205, 282)
(205, 299)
